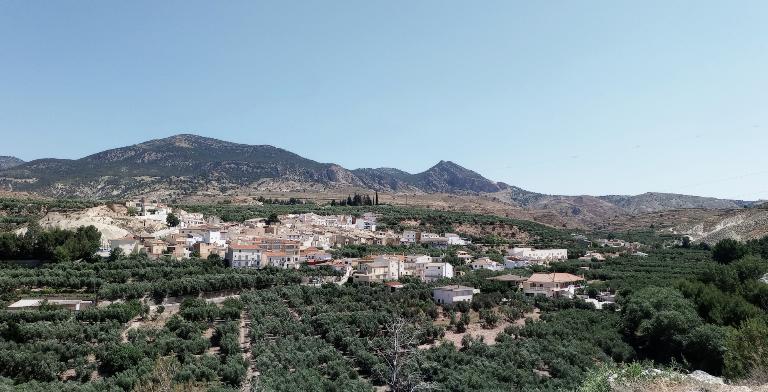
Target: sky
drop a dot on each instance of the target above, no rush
(562, 97)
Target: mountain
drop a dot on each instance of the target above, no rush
(7, 162)
(652, 202)
(186, 164)
(448, 177)
(445, 177)
(190, 163)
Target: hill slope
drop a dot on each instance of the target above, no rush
(651, 202)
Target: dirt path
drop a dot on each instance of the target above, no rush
(245, 347)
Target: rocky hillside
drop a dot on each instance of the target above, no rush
(652, 202)
(7, 162)
(700, 224)
(742, 225)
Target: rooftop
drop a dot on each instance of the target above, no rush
(557, 277)
(454, 288)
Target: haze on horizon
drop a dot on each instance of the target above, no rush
(557, 97)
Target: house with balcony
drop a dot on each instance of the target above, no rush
(554, 285)
(244, 256)
(382, 269)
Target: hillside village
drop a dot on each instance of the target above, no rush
(308, 239)
(388, 196)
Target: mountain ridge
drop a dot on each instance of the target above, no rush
(7, 162)
(191, 164)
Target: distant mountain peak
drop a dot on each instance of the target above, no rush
(450, 177)
(447, 164)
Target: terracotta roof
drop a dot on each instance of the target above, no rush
(557, 277)
(393, 284)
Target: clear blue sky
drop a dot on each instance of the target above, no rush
(567, 97)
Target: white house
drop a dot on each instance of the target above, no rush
(418, 259)
(187, 219)
(540, 255)
(592, 255)
(213, 236)
(447, 295)
(408, 237)
(381, 269)
(513, 262)
(129, 244)
(244, 256)
(365, 224)
(485, 263)
(436, 271)
(281, 260)
(435, 242)
(151, 210)
(454, 239)
(558, 284)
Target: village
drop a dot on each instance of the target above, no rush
(295, 240)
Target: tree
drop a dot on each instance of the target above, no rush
(115, 254)
(705, 347)
(172, 220)
(750, 268)
(728, 250)
(400, 353)
(489, 317)
(747, 350)
(658, 319)
(273, 218)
